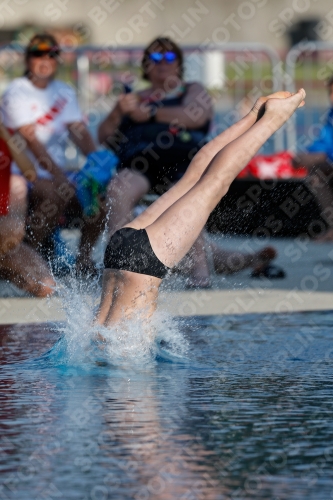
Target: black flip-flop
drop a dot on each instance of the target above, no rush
(270, 271)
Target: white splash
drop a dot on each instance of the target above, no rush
(131, 343)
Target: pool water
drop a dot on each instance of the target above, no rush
(245, 413)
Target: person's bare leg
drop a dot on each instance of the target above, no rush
(47, 206)
(233, 261)
(12, 226)
(124, 192)
(90, 232)
(18, 262)
(195, 264)
(224, 261)
(28, 271)
(174, 232)
(319, 182)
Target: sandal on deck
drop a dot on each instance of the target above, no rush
(270, 271)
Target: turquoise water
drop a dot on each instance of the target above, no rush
(224, 408)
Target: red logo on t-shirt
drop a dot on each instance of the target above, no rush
(57, 107)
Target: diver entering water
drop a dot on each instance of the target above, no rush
(140, 254)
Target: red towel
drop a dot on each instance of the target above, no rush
(276, 166)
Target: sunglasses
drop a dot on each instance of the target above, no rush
(158, 57)
(53, 54)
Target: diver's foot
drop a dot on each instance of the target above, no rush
(260, 102)
(259, 106)
(280, 110)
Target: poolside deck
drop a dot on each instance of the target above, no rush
(308, 286)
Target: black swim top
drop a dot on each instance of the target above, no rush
(130, 250)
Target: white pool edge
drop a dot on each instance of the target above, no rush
(183, 303)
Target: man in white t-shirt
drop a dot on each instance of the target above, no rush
(45, 112)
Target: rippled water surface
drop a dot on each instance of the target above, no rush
(245, 414)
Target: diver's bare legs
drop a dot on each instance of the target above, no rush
(199, 273)
(200, 163)
(175, 230)
(192, 175)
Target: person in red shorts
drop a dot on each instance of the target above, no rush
(19, 263)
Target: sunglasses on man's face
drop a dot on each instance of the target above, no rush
(53, 54)
(158, 57)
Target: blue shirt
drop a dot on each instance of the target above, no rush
(324, 143)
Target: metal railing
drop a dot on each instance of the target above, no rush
(234, 74)
(308, 64)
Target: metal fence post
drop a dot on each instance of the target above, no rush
(82, 64)
(301, 64)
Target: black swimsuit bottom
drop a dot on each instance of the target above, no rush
(130, 250)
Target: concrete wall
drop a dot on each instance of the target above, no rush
(128, 22)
